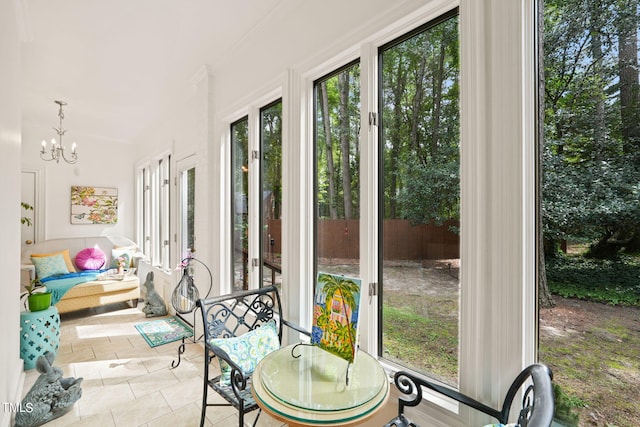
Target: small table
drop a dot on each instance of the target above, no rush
(311, 390)
(39, 333)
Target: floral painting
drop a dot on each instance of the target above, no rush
(94, 205)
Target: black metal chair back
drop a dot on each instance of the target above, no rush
(230, 316)
(537, 397)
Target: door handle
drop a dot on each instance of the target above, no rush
(28, 242)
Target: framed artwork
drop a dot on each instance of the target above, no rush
(335, 315)
(94, 205)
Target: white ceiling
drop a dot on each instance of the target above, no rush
(119, 63)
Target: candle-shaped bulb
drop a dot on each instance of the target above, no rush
(73, 148)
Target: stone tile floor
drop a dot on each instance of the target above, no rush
(126, 382)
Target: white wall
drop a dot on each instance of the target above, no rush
(11, 375)
(100, 164)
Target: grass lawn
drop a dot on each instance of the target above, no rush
(590, 339)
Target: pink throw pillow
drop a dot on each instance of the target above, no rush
(90, 259)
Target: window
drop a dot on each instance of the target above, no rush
(143, 205)
(271, 193)
(186, 207)
(337, 158)
(419, 204)
(240, 203)
(153, 218)
(590, 167)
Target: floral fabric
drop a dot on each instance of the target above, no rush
(247, 350)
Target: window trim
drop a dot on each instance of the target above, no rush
(380, 175)
(260, 242)
(153, 203)
(232, 196)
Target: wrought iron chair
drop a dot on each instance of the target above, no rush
(230, 318)
(537, 400)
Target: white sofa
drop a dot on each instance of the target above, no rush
(94, 293)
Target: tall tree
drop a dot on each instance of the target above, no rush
(544, 294)
(345, 140)
(326, 120)
(627, 26)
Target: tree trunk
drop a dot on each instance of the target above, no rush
(627, 27)
(416, 107)
(395, 132)
(544, 295)
(438, 80)
(599, 125)
(326, 118)
(343, 84)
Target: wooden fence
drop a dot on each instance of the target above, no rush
(402, 241)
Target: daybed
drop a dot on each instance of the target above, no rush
(84, 288)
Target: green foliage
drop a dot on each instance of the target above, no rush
(26, 220)
(591, 165)
(32, 287)
(421, 122)
(431, 193)
(611, 281)
(564, 407)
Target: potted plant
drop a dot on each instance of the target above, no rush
(37, 296)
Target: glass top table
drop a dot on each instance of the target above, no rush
(312, 389)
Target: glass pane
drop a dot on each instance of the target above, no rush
(337, 180)
(165, 219)
(240, 202)
(420, 152)
(187, 210)
(589, 286)
(271, 182)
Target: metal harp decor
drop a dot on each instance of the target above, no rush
(184, 300)
(186, 294)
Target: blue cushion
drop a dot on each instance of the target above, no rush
(247, 350)
(503, 425)
(49, 266)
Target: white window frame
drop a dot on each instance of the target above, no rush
(498, 102)
(498, 81)
(182, 168)
(153, 219)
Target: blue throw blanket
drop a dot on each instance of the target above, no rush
(60, 284)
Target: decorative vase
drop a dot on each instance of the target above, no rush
(40, 301)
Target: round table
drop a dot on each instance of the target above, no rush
(39, 333)
(312, 389)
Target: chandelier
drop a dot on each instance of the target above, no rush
(56, 152)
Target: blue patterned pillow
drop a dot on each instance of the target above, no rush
(503, 425)
(49, 266)
(247, 350)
